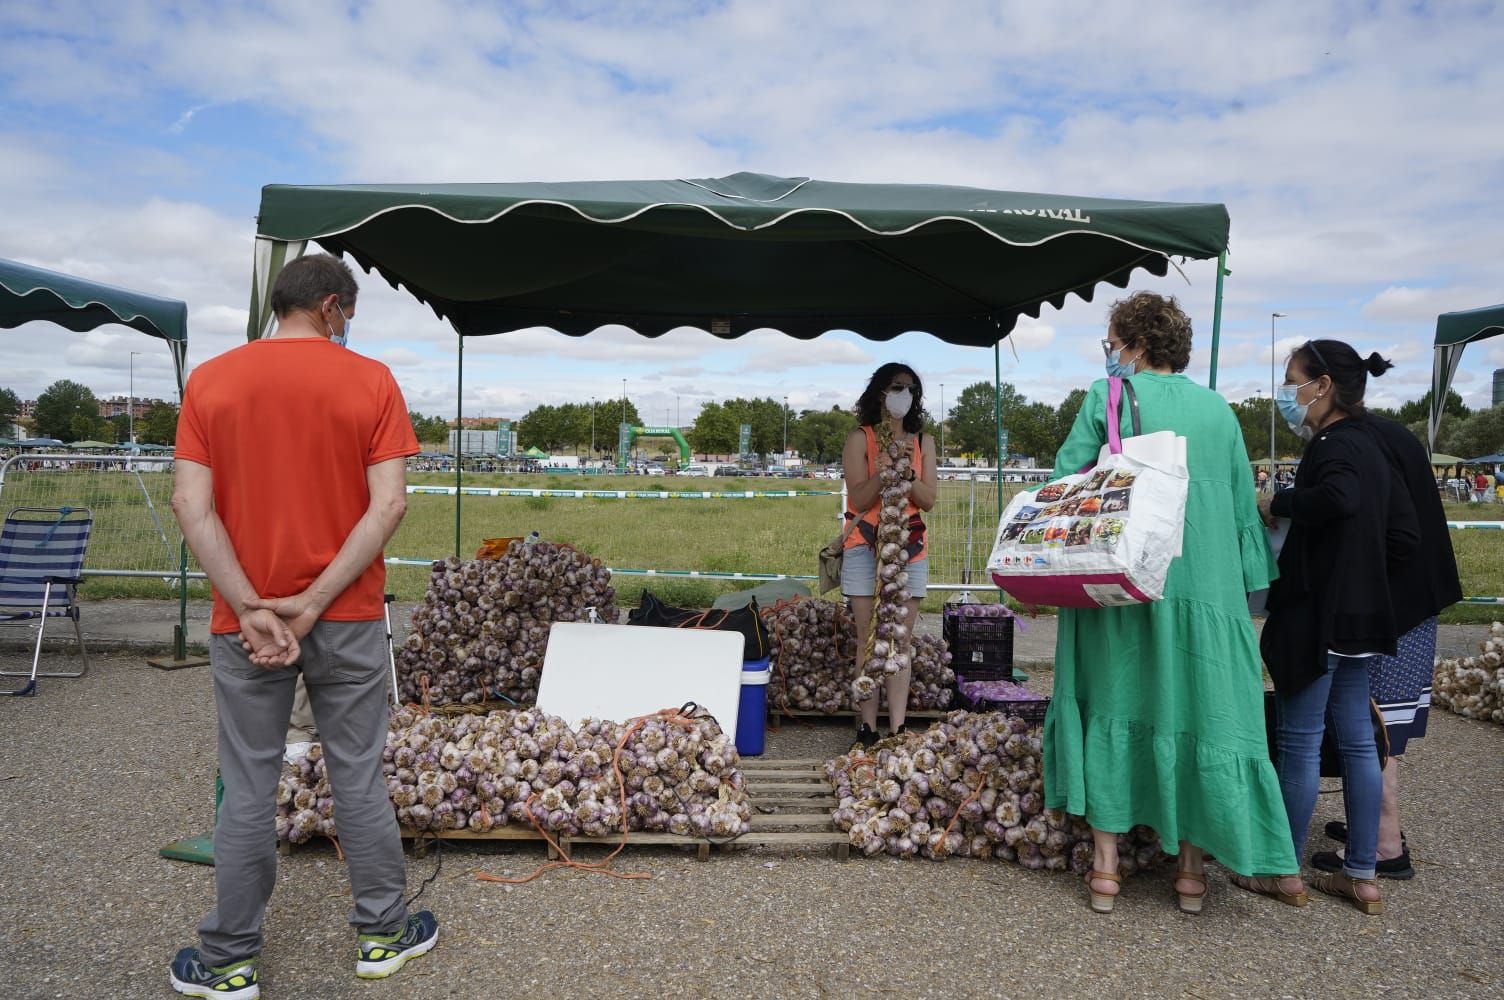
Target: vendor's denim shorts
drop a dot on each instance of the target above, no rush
(859, 573)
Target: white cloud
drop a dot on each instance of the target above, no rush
(1363, 199)
(792, 354)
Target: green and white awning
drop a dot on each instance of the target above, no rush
(33, 294)
(1454, 331)
(732, 254)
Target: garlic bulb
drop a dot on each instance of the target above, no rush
(1473, 686)
(812, 648)
(891, 593)
(482, 628)
(979, 777)
(524, 766)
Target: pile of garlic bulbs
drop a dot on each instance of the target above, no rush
(970, 786)
(1473, 686)
(482, 629)
(523, 768)
(812, 654)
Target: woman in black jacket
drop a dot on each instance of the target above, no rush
(1331, 610)
(1401, 684)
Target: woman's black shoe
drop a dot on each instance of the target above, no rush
(1395, 868)
(901, 730)
(866, 736)
(1337, 830)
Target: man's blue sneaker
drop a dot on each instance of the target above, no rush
(236, 981)
(383, 954)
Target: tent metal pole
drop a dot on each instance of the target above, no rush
(997, 405)
(180, 631)
(1217, 316)
(459, 437)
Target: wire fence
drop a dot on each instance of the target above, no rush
(749, 536)
(134, 533)
(963, 523)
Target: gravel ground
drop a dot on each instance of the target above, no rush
(98, 773)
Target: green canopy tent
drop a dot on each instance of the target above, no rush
(733, 254)
(534, 452)
(31, 294)
(1454, 331)
(91, 446)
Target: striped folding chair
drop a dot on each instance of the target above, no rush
(41, 558)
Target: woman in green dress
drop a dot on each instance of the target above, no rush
(1158, 709)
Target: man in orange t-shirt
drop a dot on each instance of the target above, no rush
(290, 480)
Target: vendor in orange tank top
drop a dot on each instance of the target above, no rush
(890, 477)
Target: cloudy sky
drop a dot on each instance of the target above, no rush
(1356, 145)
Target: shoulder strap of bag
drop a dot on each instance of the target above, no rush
(1116, 387)
(1132, 406)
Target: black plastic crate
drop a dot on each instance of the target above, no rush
(1031, 710)
(981, 648)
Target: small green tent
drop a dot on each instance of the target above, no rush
(33, 294)
(1454, 331)
(535, 452)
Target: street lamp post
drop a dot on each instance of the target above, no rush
(942, 423)
(130, 406)
(785, 428)
(1272, 407)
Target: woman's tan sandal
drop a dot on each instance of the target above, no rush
(1269, 885)
(1190, 902)
(1338, 884)
(1102, 902)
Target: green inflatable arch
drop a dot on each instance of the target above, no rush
(627, 434)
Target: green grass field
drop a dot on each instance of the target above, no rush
(761, 535)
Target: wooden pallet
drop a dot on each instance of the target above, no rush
(791, 804)
(424, 840)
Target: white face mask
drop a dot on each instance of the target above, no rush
(343, 336)
(900, 401)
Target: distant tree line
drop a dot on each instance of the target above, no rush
(69, 412)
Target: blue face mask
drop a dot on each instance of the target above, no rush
(1292, 410)
(1116, 368)
(343, 336)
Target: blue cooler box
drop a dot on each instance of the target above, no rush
(752, 715)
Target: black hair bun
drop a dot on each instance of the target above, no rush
(1377, 365)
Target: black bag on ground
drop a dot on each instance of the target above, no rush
(745, 620)
(1331, 758)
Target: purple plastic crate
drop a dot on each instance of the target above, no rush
(980, 640)
(1002, 696)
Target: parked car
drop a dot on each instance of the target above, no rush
(694, 470)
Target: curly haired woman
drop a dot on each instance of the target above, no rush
(890, 408)
(1158, 714)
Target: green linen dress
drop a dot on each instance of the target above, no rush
(1158, 709)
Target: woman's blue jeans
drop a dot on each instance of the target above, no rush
(1339, 698)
